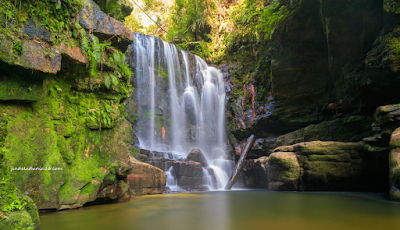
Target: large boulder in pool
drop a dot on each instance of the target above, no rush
(338, 166)
(145, 179)
(283, 171)
(325, 166)
(198, 156)
(189, 174)
(394, 166)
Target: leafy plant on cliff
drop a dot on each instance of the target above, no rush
(101, 55)
(271, 16)
(17, 47)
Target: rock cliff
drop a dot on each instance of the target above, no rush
(64, 139)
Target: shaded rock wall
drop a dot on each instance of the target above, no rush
(333, 76)
(316, 60)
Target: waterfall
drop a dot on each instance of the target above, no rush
(180, 106)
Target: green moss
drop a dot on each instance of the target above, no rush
(69, 191)
(89, 188)
(335, 158)
(20, 220)
(31, 208)
(65, 150)
(284, 163)
(52, 132)
(3, 130)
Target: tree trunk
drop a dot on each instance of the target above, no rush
(239, 165)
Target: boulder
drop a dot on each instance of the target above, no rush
(189, 174)
(114, 191)
(188, 169)
(343, 166)
(283, 171)
(323, 166)
(254, 173)
(17, 220)
(394, 165)
(145, 179)
(387, 118)
(198, 156)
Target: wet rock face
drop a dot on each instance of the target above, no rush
(197, 156)
(261, 147)
(308, 61)
(189, 174)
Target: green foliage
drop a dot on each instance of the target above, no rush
(113, 8)
(9, 200)
(101, 55)
(270, 18)
(107, 81)
(189, 21)
(103, 116)
(392, 6)
(53, 15)
(17, 47)
(394, 44)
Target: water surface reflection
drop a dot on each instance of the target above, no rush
(235, 210)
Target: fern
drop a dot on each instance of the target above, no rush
(107, 81)
(116, 57)
(97, 51)
(270, 18)
(92, 64)
(114, 79)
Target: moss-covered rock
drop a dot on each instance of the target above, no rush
(32, 209)
(352, 128)
(283, 171)
(394, 165)
(17, 220)
(327, 166)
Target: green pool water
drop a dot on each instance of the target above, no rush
(226, 210)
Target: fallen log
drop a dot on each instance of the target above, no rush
(239, 164)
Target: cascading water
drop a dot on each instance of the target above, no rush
(180, 106)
